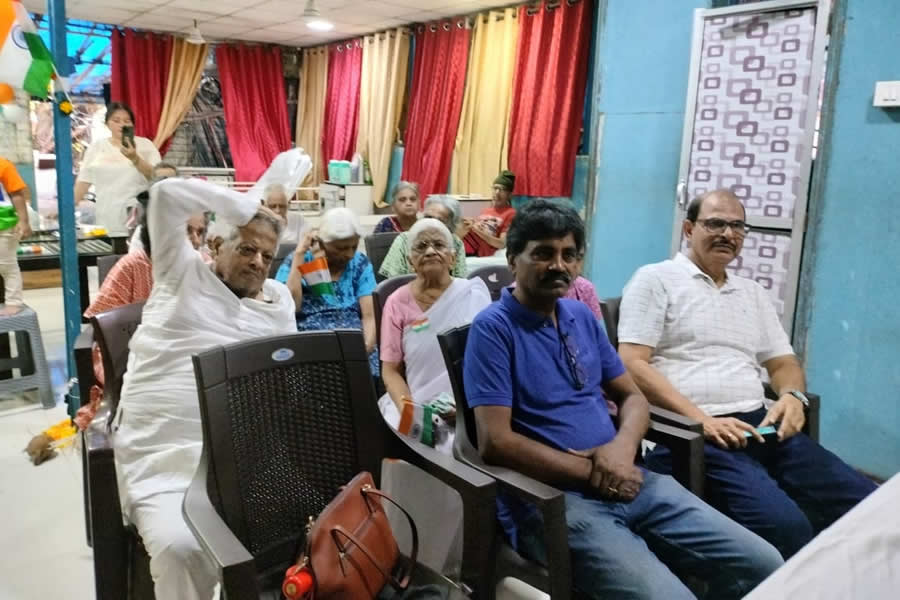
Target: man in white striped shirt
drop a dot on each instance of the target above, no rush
(695, 339)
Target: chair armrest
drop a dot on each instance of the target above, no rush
(551, 503)
(811, 427)
(479, 494)
(688, 462)
(84, 363)
(235, 565)
(668, 417)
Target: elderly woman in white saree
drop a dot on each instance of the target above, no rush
(419, 399)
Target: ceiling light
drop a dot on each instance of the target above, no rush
(195, 37)
(313, 18)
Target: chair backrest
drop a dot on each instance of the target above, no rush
(453, 347)
(112, 332)
(105, 264)
(284, 250)
(382, 293)
(286, 421)
(496, 277)
(377, 246)
(610, 309)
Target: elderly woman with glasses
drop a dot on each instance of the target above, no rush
(419, 397)
(446, 210)
(336, 291)
(405, 202)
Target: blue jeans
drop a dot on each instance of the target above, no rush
(786, 492)
(634, 550)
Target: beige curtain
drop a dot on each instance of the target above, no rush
(481, 140)
(185, 71)
(383, 84)
(311, 109)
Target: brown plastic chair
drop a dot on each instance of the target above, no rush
(286, 421)
(495, 277)
(121, 565)
(112, 331)
(610, 309)
(377, 247)
(84, 367)
(382, 293)
(105, 265)
(556, 577)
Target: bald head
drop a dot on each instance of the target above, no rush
(720, 196)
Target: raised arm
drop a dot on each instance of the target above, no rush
(172, 202)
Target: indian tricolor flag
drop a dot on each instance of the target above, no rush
(25, 62)
(317, 276)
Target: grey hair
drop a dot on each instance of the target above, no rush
(451, 204)
(273, 188)
(339, 223)
(429, 224)
(404, 185)
(277, 226)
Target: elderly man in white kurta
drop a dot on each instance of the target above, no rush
(192, 307)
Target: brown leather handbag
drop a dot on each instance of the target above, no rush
(350, 551)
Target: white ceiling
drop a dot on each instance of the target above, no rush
(275, 21)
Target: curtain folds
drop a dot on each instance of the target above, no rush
(342, 101)
(139, 75)
(311, 109)
(439, 74)
(481, 140)
(185, 72)
(255, 103)
(385, 59)
(548, 96)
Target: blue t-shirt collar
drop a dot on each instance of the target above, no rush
(529, 318)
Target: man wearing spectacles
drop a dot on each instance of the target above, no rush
(192, 307)
(537, 371)
(695, 338)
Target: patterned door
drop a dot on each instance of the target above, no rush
(750, 120)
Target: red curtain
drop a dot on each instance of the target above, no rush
(341, 103)
(439, 79)
(139, 74)
(548, 96)
(255, 103)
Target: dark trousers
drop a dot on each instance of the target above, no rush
(785, 492)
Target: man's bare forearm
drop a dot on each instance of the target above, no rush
(538, 461)
(659, 391)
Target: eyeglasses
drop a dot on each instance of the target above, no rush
(248, 251)
(571, 351)
(717, 226)
(422, 246)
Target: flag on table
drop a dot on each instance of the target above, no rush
(317, 276)
(25, 62)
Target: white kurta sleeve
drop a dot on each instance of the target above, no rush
(147, 151)
(172, 202)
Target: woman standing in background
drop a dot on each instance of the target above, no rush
(119, 167)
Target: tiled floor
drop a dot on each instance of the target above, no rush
(43, 538)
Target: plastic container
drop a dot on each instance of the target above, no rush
(333, 170)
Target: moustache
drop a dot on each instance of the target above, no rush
(554, 277)
(724, 243)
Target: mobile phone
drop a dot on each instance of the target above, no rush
(128, 134)
(763, 431)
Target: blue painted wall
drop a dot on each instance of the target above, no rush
(849, 314)
(643, 65)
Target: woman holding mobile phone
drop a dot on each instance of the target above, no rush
(119, 167)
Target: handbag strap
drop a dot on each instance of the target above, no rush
(412, 524)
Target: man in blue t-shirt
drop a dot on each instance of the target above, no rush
(538, 370)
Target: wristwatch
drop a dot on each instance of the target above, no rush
(799, 396)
